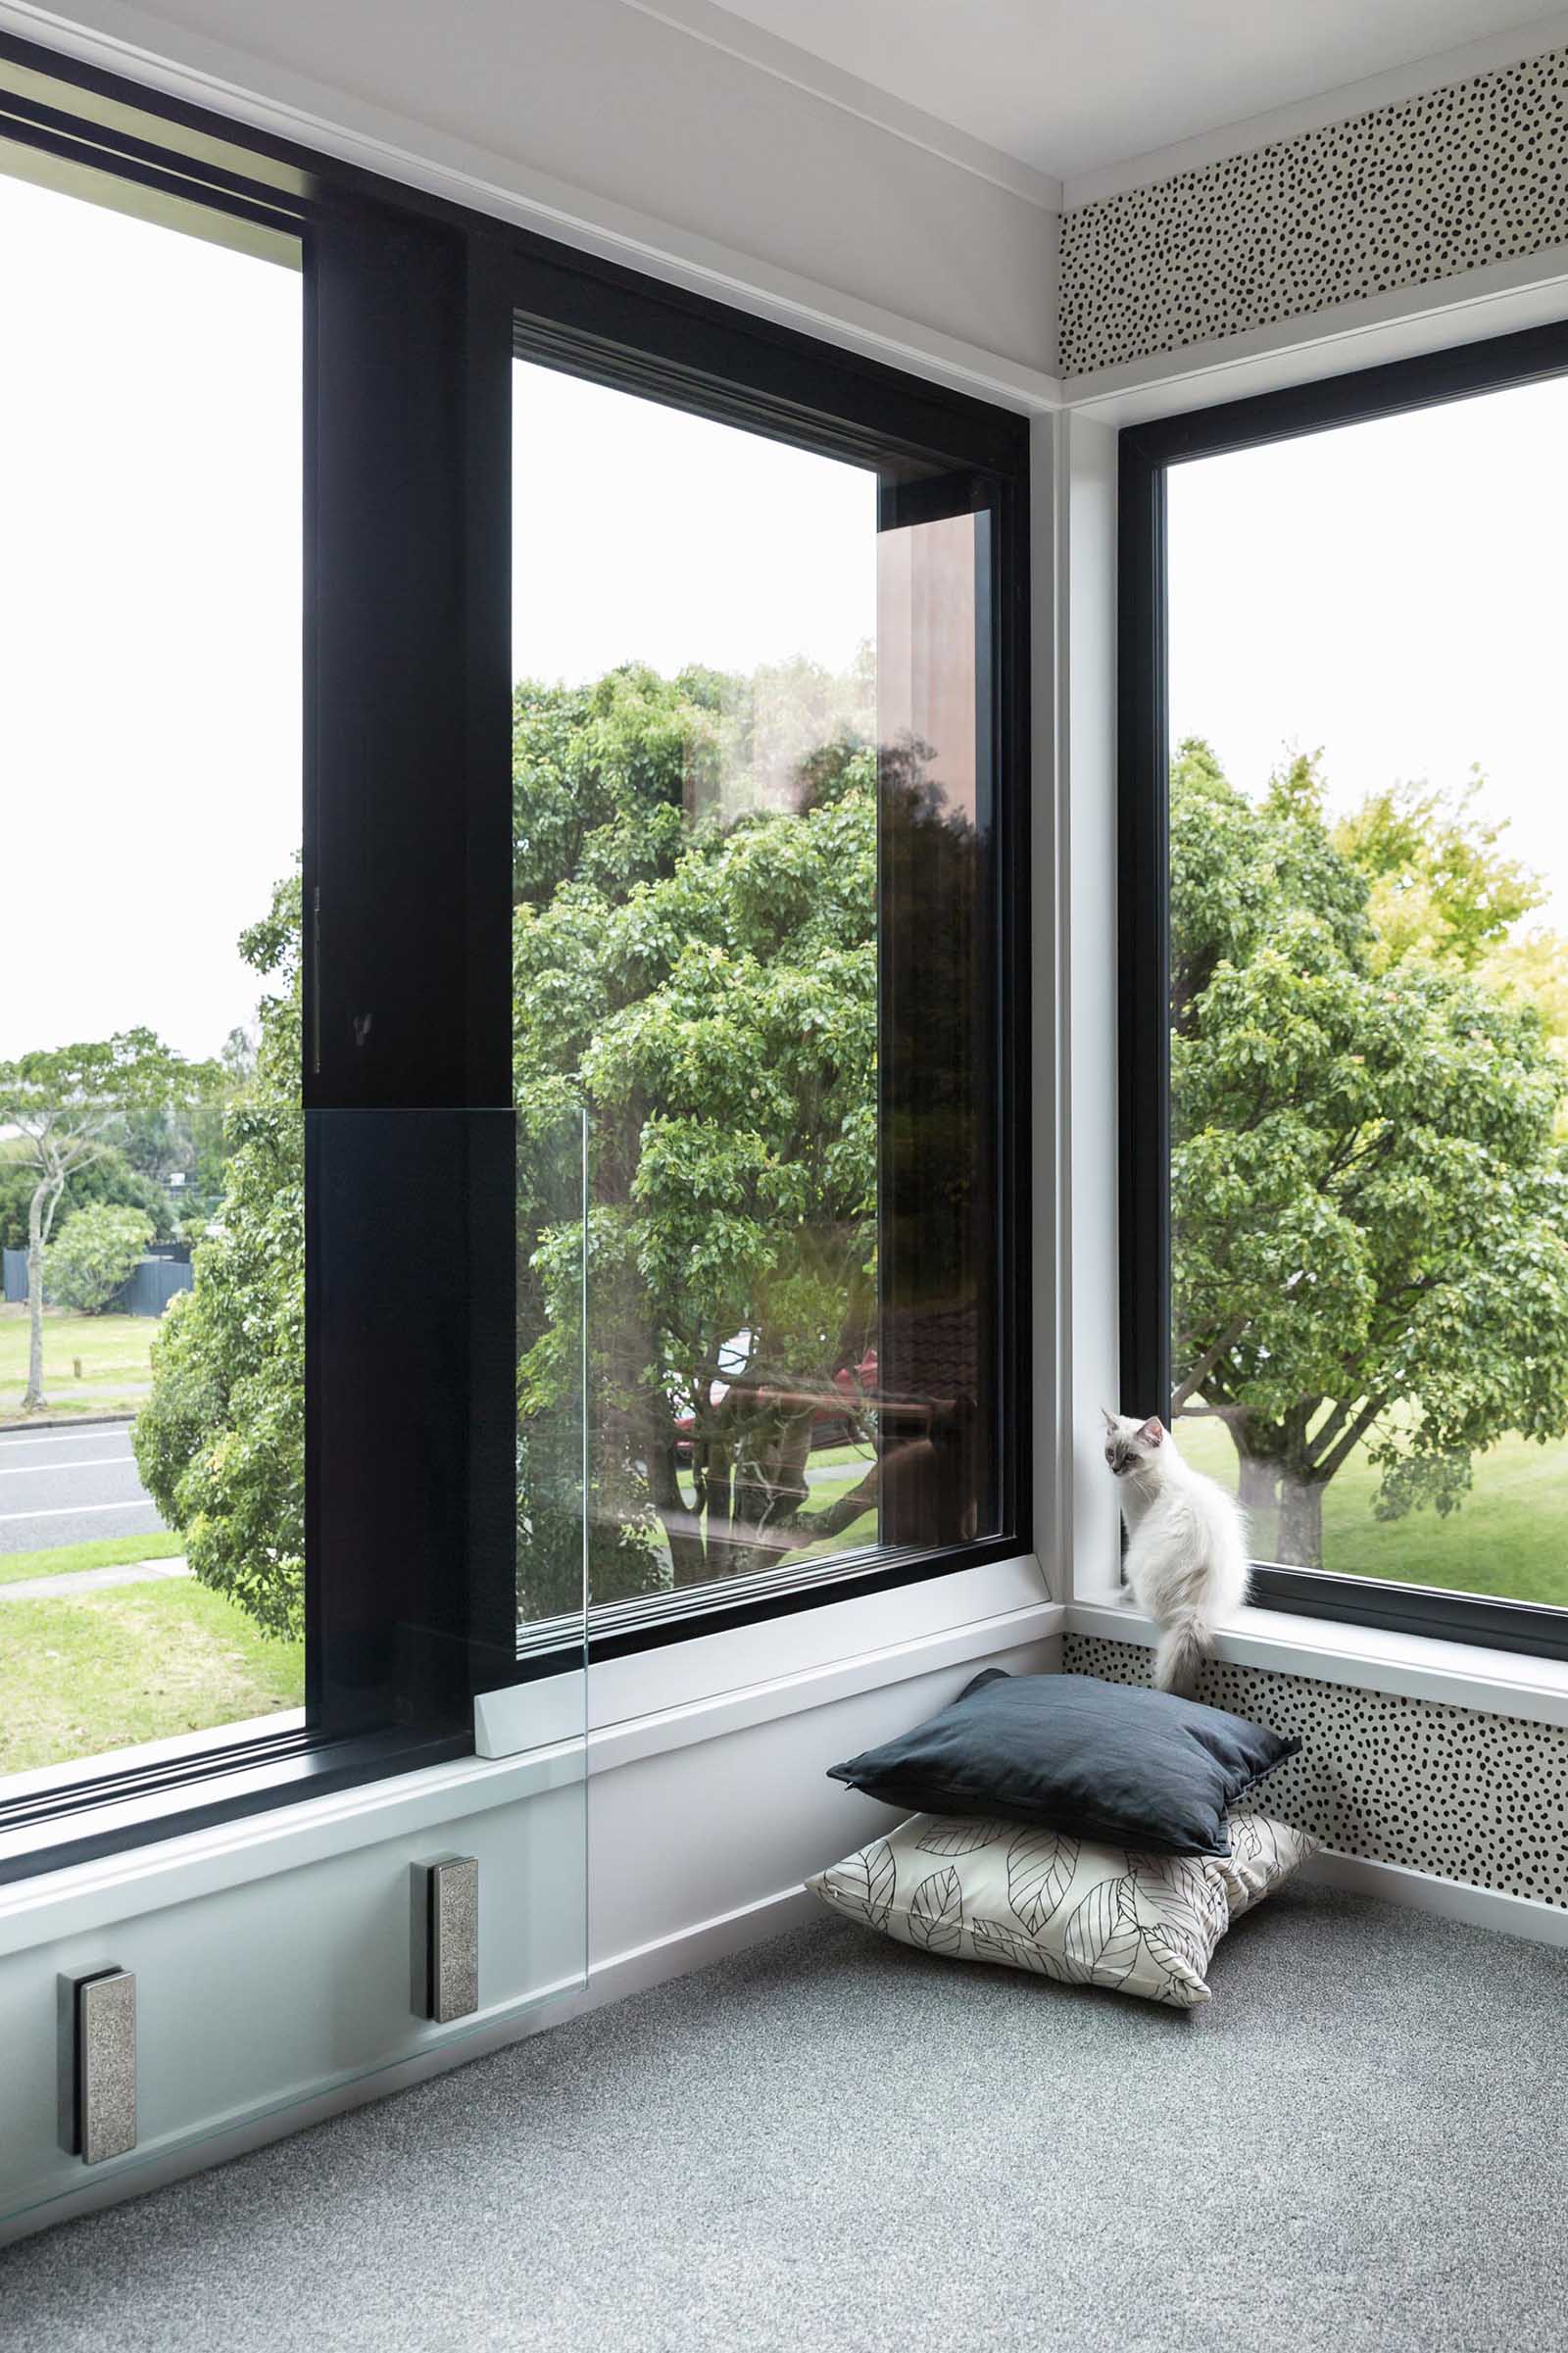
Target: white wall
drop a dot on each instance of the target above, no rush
(1086, 554)
(272, 1956)
(602, 116)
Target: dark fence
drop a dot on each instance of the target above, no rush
(147, 1292)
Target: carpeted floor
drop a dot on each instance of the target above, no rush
(830, 2142)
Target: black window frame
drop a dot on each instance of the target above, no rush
(1146, 453)
(414, 308)
(937, 452)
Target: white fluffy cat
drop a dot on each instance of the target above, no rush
(1185, 1557)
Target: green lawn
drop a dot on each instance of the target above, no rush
(851, 1465)
(856, 1464)
(1509, 1536)
(99, 1553)
(115, 1352)
(135, 1663)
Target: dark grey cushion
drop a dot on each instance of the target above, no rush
(1103, 1761)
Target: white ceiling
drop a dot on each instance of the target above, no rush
(1071, 86)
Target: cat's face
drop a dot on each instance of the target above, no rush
(1129, 1442)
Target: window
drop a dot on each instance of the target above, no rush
(1344, 969)
(223, 1120)
(759, 950)
(150, 1112)
(511, 1043)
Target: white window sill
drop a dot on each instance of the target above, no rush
(641, 1707)
(1369, 1658)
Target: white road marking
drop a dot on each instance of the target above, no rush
(69, 1511)
(66, 1438)
(86, 1462)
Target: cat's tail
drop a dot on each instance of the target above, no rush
(1185, 1642)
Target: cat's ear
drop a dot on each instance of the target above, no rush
(1111, 1423)
(1152, 1432)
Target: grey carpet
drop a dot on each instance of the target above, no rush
(830, 2142)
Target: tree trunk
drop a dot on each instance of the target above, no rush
(716, 1498)
(1300, 1538)
(1257, 1487)
(771, 1493)
(40, 1217)
(688, 1557)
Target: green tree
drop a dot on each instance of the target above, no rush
(1444, 886)
(221, 1441)
(178, 1149)
(68, 1106)
(109, 1178)
(1439, 883)
(1370, 1210)
(701, 980)
(95, 1252)
(695, 973)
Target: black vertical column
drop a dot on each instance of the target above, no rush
(1143, 863)
(407, 1033)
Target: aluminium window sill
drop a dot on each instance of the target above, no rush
(60, 1898)
(112, 1831)
(643, 1708)
(1368, 1658)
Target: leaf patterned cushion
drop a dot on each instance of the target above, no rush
(1063, 1907)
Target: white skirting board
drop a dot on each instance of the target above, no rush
(691, 1856)
(699, 1947)
(1455, 1900)
(624, 1973)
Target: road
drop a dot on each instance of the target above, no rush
(63, 1486)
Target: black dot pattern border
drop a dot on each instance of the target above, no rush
(1446, 1790)
(1403, 196)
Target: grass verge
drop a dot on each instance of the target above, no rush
(135, 1663)
(1509, 1536)
(115, 1352)
(99, 1553)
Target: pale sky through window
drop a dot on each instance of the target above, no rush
(1394, 593)
(150, 599)
(643, 533)
(149, 620)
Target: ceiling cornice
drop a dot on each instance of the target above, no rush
(720, 28)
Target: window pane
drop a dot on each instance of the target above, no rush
(938, 1482)
(150, 1185)
(1369, 847)
(750, 820)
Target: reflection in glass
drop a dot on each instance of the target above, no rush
(936, 1339)
(749, 812)
(555, 1469)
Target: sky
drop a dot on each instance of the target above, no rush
(149, 597)
(641, 533)
(149, 620)
(1395, 594)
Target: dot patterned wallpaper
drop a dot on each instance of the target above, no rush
(1470, 1797)
(1397, 197)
